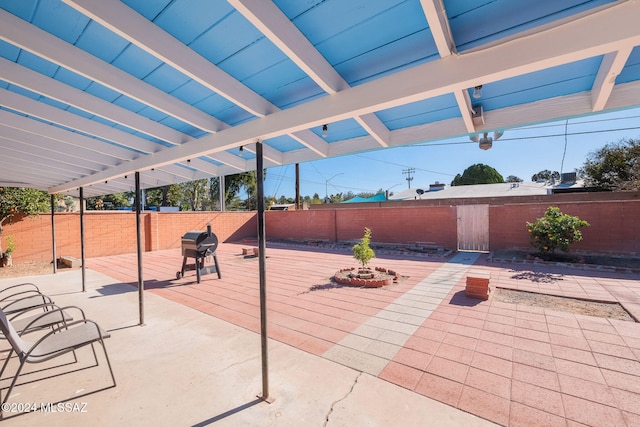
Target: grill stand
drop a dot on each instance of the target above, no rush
(201, 270)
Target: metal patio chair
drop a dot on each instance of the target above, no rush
(63, 339)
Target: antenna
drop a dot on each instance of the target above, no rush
(408, 172)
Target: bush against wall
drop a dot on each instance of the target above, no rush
(555, 230)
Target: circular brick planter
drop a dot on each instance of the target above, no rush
(375, 279)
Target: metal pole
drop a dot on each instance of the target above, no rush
(82, 257)
(138, 205)
(221, 192)
(263, 275)
(53, 234)
(298, 186)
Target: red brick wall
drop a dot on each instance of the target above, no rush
(301, 225)
(400, 225)
(113, 233)
(615, 227)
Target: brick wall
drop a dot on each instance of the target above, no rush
(615, 227)
(114, 232)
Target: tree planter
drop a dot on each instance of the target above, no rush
(370, 279)
(7, 260)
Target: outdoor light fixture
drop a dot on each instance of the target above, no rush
(485, 142)
(241, 148)
(325, 130)
(477, 91)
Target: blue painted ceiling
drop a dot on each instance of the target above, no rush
(173, 88)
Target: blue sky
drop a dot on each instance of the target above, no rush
(521, 152)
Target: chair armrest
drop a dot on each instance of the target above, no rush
(25, 323)
(19, 294)
(31, 286)
(25, 303)
(46, 307)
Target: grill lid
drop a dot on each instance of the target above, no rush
(199, 241)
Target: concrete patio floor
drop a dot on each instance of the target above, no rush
(416, 353)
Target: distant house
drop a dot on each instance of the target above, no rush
(282, 207)
(442, 191)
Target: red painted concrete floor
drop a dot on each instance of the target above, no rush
(509, 363)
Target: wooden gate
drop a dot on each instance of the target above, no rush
(473, 227)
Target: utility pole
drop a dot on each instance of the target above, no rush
(408, 172)
(298, 206)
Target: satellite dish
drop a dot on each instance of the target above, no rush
(420, 191)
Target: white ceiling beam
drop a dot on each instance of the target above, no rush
(312, 141)
(175, 172)
(438, 22)
(587, 37)
(18, 141)
(128, 24)
(18, 161)
(466, 109)
(351, 145)
(109, 187)
(277, 27)
(73, 140)
(231, 160)
(204, 166)
(612, 64)
(35, 168)
(13, 101)
(268, 153)
(436, 15)
(29, 37)
(374, 127)
(51, 88)
(300, 155)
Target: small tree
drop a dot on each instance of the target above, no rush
(555, 230)
(613, 167)
(478, 174)
(361, 251)
(546, 175)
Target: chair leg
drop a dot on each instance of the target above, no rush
(95, 356)
(13, 383)
(106, 356)
(6, 362)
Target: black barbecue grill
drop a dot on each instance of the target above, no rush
(199, 245)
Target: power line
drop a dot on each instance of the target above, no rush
(408, 172)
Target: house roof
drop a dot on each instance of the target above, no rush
(92, 91)
(380, 197)
(483, 190)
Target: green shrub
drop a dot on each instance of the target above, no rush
(361, 251)
(555, 230)
(11, 245)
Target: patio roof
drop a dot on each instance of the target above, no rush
(93, 91)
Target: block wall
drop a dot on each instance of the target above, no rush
(615, 227)
(114, 232)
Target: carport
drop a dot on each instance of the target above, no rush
(100, 97)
